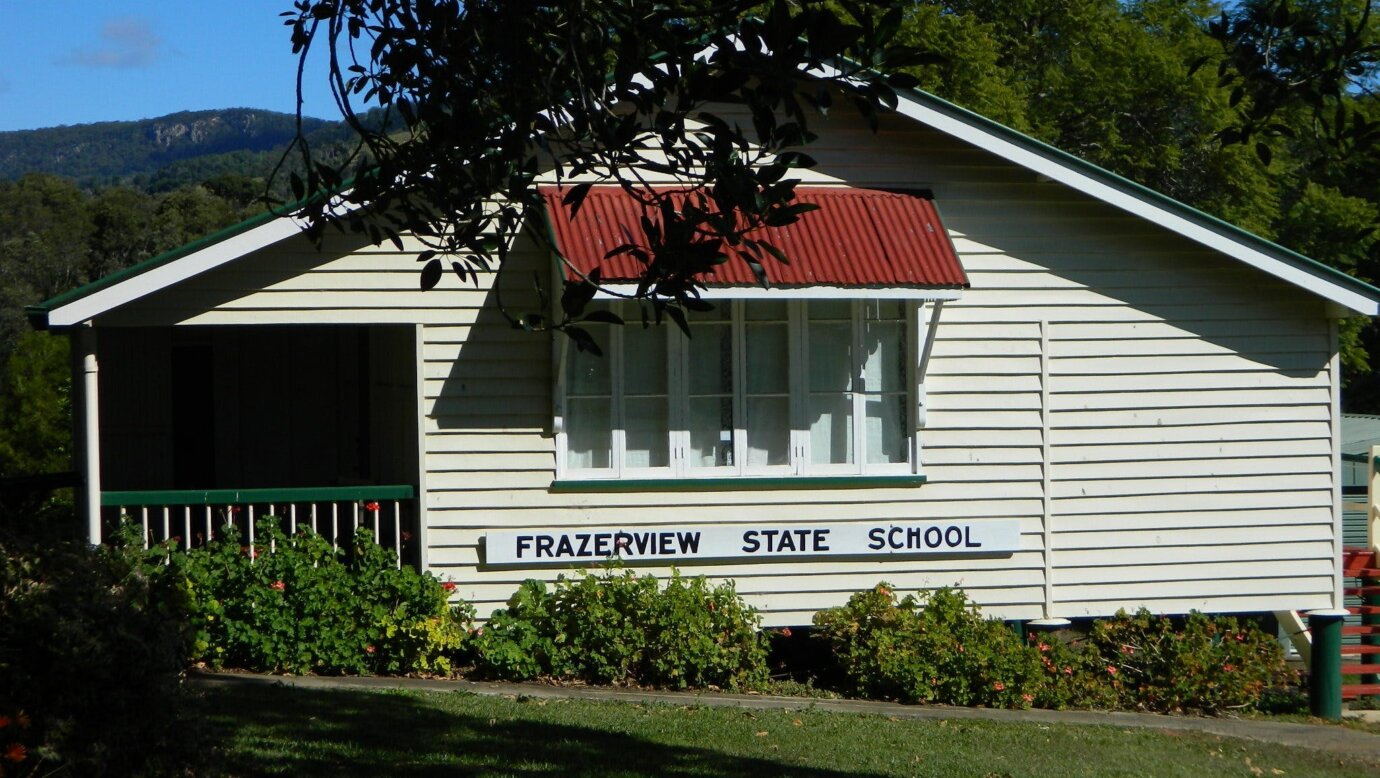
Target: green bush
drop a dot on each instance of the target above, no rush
(306, 607)
(91, 652)
(932, 648)
(1206, 664)
(622, 628)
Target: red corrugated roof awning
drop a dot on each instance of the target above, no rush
(857, 238)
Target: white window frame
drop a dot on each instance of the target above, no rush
(920, 316)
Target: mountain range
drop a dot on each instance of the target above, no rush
(163, 153)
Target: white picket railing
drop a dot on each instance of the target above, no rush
(193, 518)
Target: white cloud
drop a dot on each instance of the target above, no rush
(125, 42)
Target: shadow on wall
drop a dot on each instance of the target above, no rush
(499, 377)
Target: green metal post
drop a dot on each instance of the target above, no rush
(1325, 677)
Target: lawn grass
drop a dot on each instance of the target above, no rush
(262, 730)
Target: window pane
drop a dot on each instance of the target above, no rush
(723, 311)
(885, 429)
(884, 363)
(831, 429)
(767, 359)
(711, 359)
(768, 431)
(834, 310)
(764, 310)
(646, 433)
(644, 360)
(831, 357)
(885, 310)
(589, 440)
(586, 373)
(711, 432)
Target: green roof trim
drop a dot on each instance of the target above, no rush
(38, 314)
(170, 497)
(1116, 181)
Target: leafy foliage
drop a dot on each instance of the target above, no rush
(624, 628)
(490, 93)
(932, 648)
(1140, 661)
(35, 427)
(307, 607)
(937, 648)
(91, 651)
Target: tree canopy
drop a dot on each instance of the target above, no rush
(1260, 112)
(491, 93)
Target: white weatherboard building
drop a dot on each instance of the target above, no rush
(1117, 401)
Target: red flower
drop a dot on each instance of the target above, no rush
(233, 509)
(372, 506)
(785, 632)
(1128, 649)
(999, 686)
(4, 721)
(406, 536)
(1111, 670)
(369, 649)
(1068, 671)
(16, 752)
(448, 586)
(279, 585)
(1028, 697)
(1229, 668)
(1043, 647)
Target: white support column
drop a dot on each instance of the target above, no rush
(1334, 369)
(420, 515)
(91, 434)
(1373, 501)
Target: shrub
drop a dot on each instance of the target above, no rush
(307, 607)
(91, 652)
(622, 628)
(932, 648)
(1207, 664)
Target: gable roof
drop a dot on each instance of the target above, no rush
(165, 270)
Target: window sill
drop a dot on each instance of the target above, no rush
(747, 483)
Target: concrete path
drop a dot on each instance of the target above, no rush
(1323, 737)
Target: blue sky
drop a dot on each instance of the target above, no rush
(79, 61)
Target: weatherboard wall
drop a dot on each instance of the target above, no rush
(1185, 402)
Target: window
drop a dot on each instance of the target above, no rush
(761, 388)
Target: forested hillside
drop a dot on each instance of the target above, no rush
(1112, 82)
(163, 153)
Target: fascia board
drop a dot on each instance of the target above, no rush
(165, 276)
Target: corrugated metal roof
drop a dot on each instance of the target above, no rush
(858, 237)
(1360, 431)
